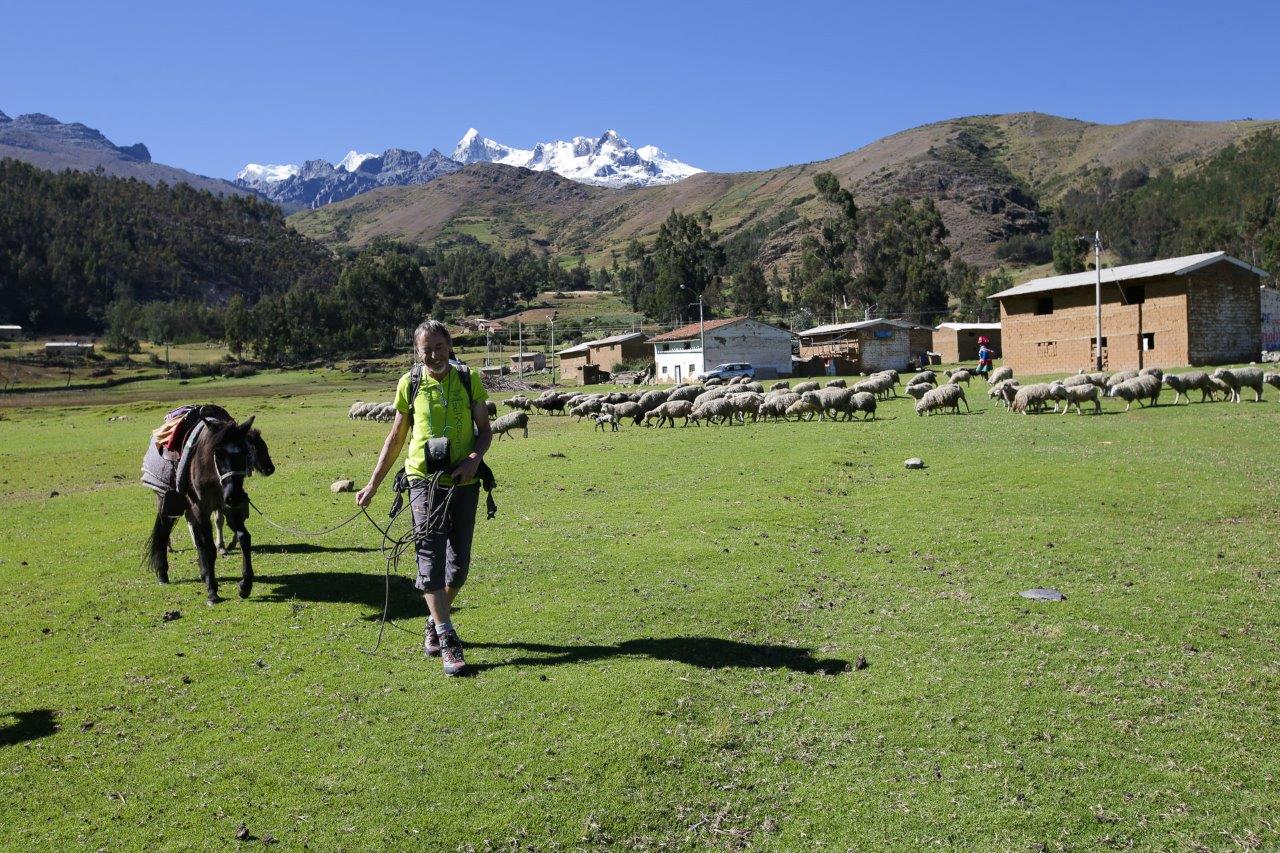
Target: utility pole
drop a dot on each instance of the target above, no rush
(552, 353)
(487, 343)
(1097, 291)
(520, 345)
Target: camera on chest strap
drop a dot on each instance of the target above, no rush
(438, 456)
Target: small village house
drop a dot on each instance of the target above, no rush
(77, 348)
(604, 355)
(957, 342)
(678, 354)
(10, 333)
(528, 362)
(864, 346)
(1198, 309)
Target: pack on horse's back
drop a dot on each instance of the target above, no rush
(196, 463)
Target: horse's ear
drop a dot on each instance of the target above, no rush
(247, 425)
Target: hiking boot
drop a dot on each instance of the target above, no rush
(451, 654)
(431, 642)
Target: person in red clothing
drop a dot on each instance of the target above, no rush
(984, 356)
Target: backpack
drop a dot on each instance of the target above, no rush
(483, 472)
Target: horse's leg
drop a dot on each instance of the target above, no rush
(202, 530)
(158, 546)
(220, 519)
(237, 522)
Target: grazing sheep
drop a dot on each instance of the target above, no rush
(1183, 383)
(1241, 377)
(716, 409)
(1030, 397)
(686, 392)
(1078, 379)
(672, 409)
(924, 376)
(713, 381)
(628, 410)
(1058, 393)
(877, 383)
(837, 383)
(1116, 378)
(1217, 386)
(919, 389)
(1004, 392)
(1000, 374)
(511, 421)
(861, 401)
(650, 400)
(1139, 388)
(775, 404)
(780, 386)
(959, 375)
(355, 407)
(835, 401)
(805, 386)
(803, 409)
(605, 419)
(551, 403)
(1077, 394)
(518, 403)
(746, 403)
(492, 408)
(1152, 371)
(943, 397)
(1272, 379)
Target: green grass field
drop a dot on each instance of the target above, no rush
(665, 627)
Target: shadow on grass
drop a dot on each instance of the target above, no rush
(704, 652)
(363, 588)
(307, 548)
(30, 725)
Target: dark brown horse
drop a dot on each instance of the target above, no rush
(224, 454)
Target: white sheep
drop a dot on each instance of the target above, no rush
(999, 375)
(1183, 383)
(1241, 377)
(1077, 394)
(943, 397)
(1139, 388)
(1030, 397)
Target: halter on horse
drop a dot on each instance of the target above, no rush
(222, 455)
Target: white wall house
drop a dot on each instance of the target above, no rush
(678, 354)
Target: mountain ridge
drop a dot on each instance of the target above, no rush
(53, 145)
(992, 177)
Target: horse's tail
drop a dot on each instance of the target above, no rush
(156, 555)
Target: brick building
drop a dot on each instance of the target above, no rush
(957, 342)
(1198, 309)
(604, 354)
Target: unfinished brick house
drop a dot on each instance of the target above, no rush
(1198, 309)
(957, 342)
(604, 354)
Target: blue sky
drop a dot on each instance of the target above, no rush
(723, 85)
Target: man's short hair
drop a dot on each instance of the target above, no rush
(432, 327)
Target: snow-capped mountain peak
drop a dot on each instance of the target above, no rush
(256, 173)
(353, 160)
(608, 160)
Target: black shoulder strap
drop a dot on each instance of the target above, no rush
(464, 374)
(415, 382)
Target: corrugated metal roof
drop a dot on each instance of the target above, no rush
(964, 326)
(831, 328)
(1128, 272)
(600, 342)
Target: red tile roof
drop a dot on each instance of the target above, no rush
(691, 330)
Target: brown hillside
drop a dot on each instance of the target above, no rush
(991, 176)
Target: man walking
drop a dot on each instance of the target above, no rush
(443, 407)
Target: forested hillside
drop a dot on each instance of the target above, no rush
(73, 242)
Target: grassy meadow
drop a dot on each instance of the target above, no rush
(666, 628)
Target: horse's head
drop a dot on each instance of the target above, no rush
(232, 457)
(259, 457)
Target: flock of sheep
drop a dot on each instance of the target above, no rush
(741, 399)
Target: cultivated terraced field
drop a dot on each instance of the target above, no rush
(665, 627)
